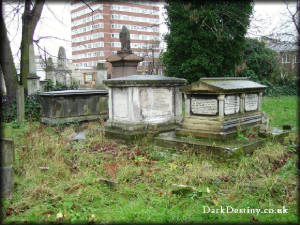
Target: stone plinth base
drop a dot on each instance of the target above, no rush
(225, 148)
(134, 131)
(218, 127)
(124, 63)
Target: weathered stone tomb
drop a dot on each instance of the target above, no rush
(73, 105)
(219, 107)
(143, 103)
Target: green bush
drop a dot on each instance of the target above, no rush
(263, 67)
(32, 109)
(59, 86)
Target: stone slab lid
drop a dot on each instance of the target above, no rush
(124, 57)
(32, 76)
(73, 92)
(223, 84)
(144, 80)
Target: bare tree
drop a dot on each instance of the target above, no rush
(6, 59)
(31, 15)
(30, 19)
(294, 15)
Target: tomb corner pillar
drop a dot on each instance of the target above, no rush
(221, 99)
(242, 102)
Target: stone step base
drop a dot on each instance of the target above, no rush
(212, 128)
(233, 147)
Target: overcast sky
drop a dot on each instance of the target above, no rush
(268, 17)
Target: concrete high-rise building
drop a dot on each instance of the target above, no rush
(96, 26)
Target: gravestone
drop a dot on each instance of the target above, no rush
(73, 106)
(124, 63)
(101, 73)
(140, 104)
(216, 110)
(50, 71)
(219, 107)
(63, 74)
(33, 81)
(7, 157)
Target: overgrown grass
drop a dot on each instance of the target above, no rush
(71, 189)
(282, 110)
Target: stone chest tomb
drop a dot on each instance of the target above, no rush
(218, 107)
(73, 105)
(143, 103)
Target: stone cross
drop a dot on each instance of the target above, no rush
(125, 39)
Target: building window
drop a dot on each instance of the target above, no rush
(115, 44)
(285, 58)
(296, 59)
(115, 35)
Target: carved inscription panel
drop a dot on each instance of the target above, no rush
(204, 106)
(232, 104)
(162, 101)
(120, 104)
(156, 103)
(251, 102)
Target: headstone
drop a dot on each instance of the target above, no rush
(124, 63)
(101, 73)
(43, 84)
(50, 71)
(218, 107)
(143, 104)
(33, 81)
(7, 157)
(63, 74)
(61, 57)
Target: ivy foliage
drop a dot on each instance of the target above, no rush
(59, 86)
(206, 38)
(32, 103)
(32, 109)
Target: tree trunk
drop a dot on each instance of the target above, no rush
(6, 60)
(29, 22)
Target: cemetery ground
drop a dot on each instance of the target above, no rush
(104, 181)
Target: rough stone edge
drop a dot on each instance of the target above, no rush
(178, 144)
(56, 121)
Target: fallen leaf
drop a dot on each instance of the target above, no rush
(142, 173)
(111, 169)
(9, 211)
(47, 213)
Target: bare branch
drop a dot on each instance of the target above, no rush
(37, 11)
(49, 37)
